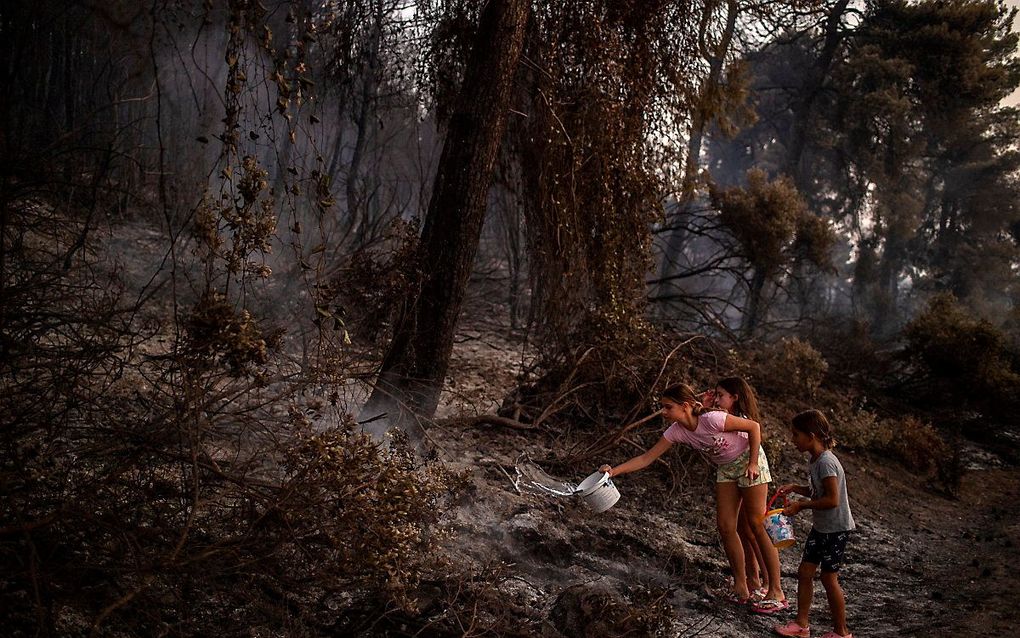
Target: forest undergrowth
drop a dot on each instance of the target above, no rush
(192, 476)
(644, 567)
(239, 240)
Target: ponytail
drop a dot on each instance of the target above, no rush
(814, 422)
(682, 393)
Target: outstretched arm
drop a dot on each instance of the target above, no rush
(641, 461)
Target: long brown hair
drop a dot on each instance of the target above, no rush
(747, 402)
(814, 422)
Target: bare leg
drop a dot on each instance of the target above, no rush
(727, 501)
(758, 556)
(837, 603)
(805, 592)
(751, 551)
(754, 498)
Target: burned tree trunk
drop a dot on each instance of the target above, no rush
(705, 109)
(413, 370)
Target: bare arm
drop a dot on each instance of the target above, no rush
(790, 488)
(826, 502)
(641, 461)
(753, 429)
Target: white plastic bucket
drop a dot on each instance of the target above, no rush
(598, 492)
(778, 526)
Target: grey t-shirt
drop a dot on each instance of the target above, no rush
(836, 519)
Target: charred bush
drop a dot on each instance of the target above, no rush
(917, 445)
(789, 368)
(960, 360)
(590, 610)
(158, 475)
(610, 379)
(858, 428)
(218, 333)
(367, 287)
(853, 355)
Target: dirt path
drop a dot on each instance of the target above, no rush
(925, 563)
(920, 563)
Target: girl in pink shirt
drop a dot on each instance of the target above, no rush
(736, 396)
(733, 444)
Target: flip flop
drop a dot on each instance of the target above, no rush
(769, 606)
(793, 630)
(759, 594)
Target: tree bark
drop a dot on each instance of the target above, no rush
(415, 365)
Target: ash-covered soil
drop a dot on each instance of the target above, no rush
(921, 563)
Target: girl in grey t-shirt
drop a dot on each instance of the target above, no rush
(833, 523)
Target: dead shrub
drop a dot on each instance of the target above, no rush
(789, 368)
(859, 428)
(962, 360)
(594, 609)
(923, 451)
(197, 486)
(366, 289)
(611, 379)
(219, 334)
(852, 353)
(369, 513)
(917, 445)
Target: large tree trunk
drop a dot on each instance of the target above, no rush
(414, 368)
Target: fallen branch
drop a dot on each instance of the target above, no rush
(548, 410)
(608, 441)
(492, 419)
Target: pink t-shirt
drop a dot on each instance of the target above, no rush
(709, 437)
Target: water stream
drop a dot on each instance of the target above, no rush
(531, 478)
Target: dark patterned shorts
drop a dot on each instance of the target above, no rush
(826, 550)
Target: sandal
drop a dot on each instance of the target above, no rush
(770, 606)
(759, 594)
(793, 629)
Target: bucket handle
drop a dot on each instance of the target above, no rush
(605, 480)
(773, 499)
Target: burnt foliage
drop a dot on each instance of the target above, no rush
(152, 483)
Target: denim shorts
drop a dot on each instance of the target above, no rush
(736, 470)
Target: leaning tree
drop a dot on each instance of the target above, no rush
(413, 370)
